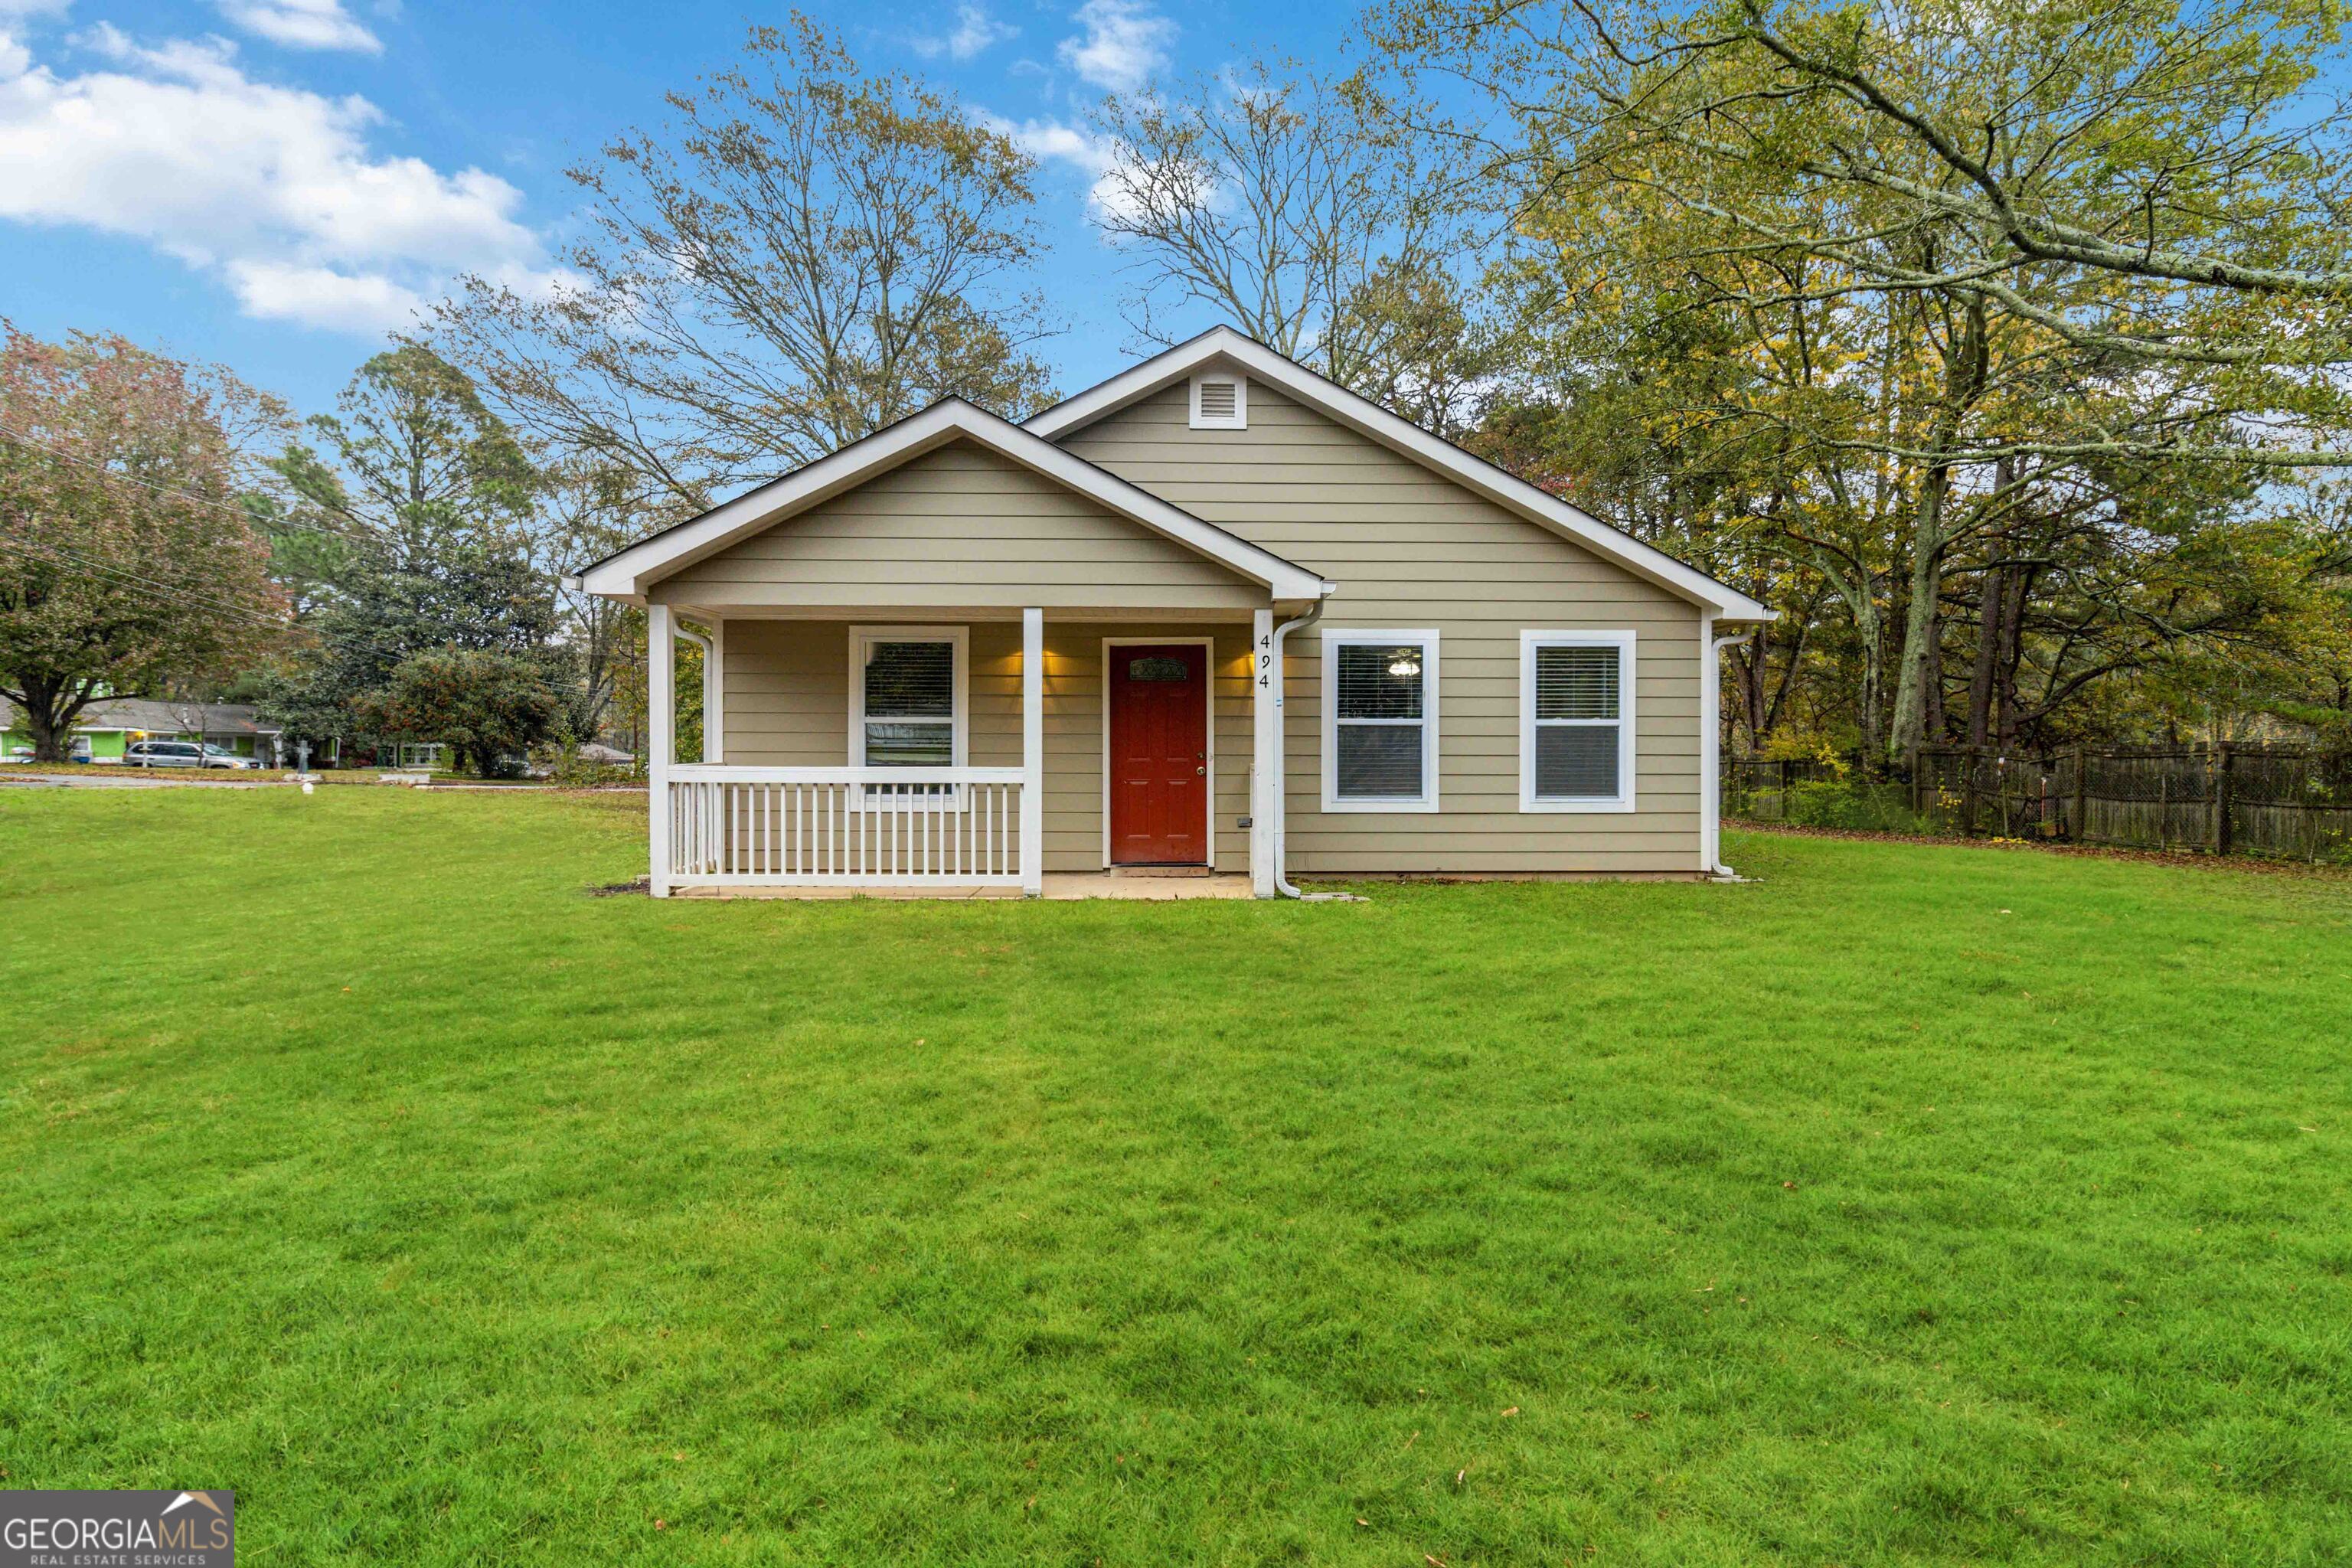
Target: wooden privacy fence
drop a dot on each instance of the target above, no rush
(2280, 801)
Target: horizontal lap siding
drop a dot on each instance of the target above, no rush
(787, 700)
(960, 526)
(1411, 548)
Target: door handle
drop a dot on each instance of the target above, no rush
(1200, 770)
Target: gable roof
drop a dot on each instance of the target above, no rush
(1369, 419)
(626, 574)
(150, 713)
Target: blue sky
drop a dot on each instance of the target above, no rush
(268, 183)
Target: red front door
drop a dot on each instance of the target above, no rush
(1158, 755)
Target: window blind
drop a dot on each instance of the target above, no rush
(1379, 716)
(910, 705)
(1577, 724)
(1576, 683)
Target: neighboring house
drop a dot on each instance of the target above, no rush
(108, 726)
(964, 652)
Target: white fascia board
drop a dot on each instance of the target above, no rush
(629, 572)
(1370, 419)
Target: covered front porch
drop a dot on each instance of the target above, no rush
(916, 749)
(952, 657)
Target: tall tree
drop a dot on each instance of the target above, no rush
(2159, 183)
(806, 253)
(126, 560)
(1898, 392)
(1278, 199)
(435, 500)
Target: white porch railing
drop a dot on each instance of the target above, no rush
(858, 827)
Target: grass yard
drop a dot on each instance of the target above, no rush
(1912, 1205)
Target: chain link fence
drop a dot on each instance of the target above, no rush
(2284, 801)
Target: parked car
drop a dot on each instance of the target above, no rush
(182, 754)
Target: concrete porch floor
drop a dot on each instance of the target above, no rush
(1059, 885)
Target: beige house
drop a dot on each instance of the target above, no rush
(1215, 615)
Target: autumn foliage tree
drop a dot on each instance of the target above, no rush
(1998, 345)
(808, 251)
(127, 559)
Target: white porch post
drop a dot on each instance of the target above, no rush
(661, 724)
(1032, 751)
(1265, 752)
(714, 693)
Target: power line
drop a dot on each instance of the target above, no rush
(91, 562)
(181, 595)
(358, 534)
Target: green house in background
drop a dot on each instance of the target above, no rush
(105, 728)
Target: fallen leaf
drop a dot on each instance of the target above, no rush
(1368, 1523)
(1514, 1410)
(661, 1524)
(1641, 1415)
(1790, 1186)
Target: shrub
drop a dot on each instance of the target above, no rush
(569, 770)
(1856, 805)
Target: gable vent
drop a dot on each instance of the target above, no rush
(1220, 403)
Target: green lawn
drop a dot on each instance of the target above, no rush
(1911, 1204)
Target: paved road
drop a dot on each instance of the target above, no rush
(110, 779)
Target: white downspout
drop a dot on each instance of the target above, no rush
(1281, 801)
(1711, 740)
(710, 694)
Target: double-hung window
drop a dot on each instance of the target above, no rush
(907, 704)
(1576, 721)
(1380, 720)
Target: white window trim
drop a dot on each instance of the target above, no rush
(1337, 638)
(1240, 420)
(1624, 642)
(1208, 647)
(862, 638)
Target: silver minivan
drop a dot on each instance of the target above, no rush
(182, 755)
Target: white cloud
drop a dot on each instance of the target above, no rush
(31, 7)
(273, 189)
(975, 31)
(367, 303)
(1124, 44)
(1074, 147)
(301, 24)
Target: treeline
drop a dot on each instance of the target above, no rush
(2000, 348)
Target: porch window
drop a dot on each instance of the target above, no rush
(1576, 721)
(1380, 720)
(907, 704)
